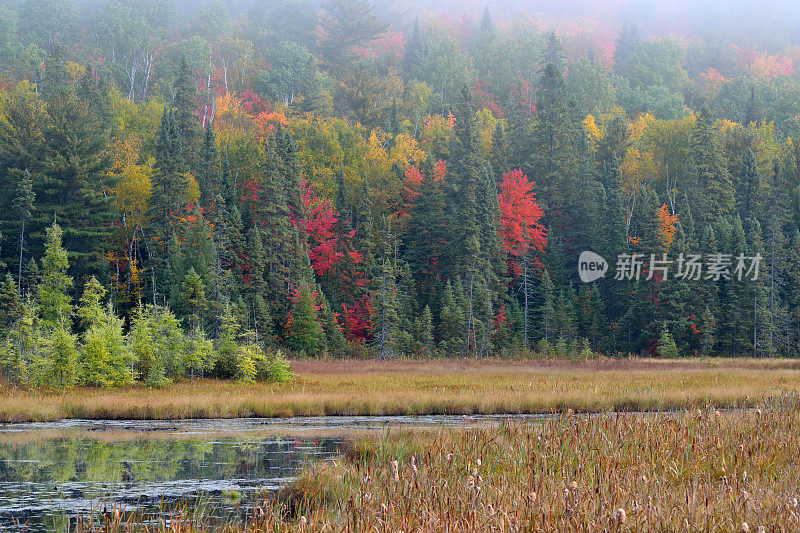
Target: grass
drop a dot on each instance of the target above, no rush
(694, 470)
(446, 386)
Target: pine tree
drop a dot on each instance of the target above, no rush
(708, 332)
(717, 194)
(25, 206)
(749, 187)
(752, 113)
(452, 320)
(335, 341)
(425, 240)
(11, 304)
(424, 337)
(209, 175)
(187, 126)
(548, 308)
(666, 345)
(304, 331)
(385, 308)
(53, 297)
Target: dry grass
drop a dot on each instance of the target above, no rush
(696, 470)
(430, 387)
(691, 471)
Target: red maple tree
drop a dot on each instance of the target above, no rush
(520, 215)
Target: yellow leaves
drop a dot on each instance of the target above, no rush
(593, 131)
(637, 167)
(486, 124)
(406, 151)
(227, 104)
(124, 153)
(75, 71)
(640, 125)
(436, 133)
(728, 126)
(377, 157)
(133, 193)
(192, 194)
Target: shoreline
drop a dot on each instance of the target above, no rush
(431, 387)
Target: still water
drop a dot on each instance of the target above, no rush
(52, 472)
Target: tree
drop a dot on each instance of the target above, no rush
(305, 333)
(521, 229)
(53, 297)
(344, 25)
(385, 307)
(666, 345)
(24, 203)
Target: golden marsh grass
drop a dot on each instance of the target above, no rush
(444, 386)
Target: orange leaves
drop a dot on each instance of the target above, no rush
(440, 170)
(666, 226)
(267, 122)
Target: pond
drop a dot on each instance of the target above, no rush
(52, 472)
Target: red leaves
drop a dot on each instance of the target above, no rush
(411, 187)
(520, 215)
(486, 99)
(323, 231)
(253, 104)
(357, 321)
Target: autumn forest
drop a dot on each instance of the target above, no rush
(194, 190)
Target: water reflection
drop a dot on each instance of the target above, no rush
(45, 481)
(51, 472)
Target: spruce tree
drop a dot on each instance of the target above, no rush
(53, 296)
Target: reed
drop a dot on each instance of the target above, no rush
(699, 469)
(444, 386)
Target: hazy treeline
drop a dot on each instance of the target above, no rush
(333, 180)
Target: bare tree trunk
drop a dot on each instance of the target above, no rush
(21, 248)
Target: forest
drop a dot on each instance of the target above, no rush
(193, 191)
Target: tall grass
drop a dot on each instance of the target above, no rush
(430, 387)
(695, 470)
(698, 470)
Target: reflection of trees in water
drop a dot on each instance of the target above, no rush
(86, 460)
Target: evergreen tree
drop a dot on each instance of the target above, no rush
(305, 333)
(717, 193)
(385, 310)
(53, 297)
(24, 203)
(752, 113)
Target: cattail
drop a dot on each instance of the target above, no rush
(620, 517)
(744, 476)
(303, 521)
(532, 497)
(744, 528)
(794, 503)
(395, 470)
(471, 482)
(475, 472)
(449, 457)
(478, 461)
(573, 486)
